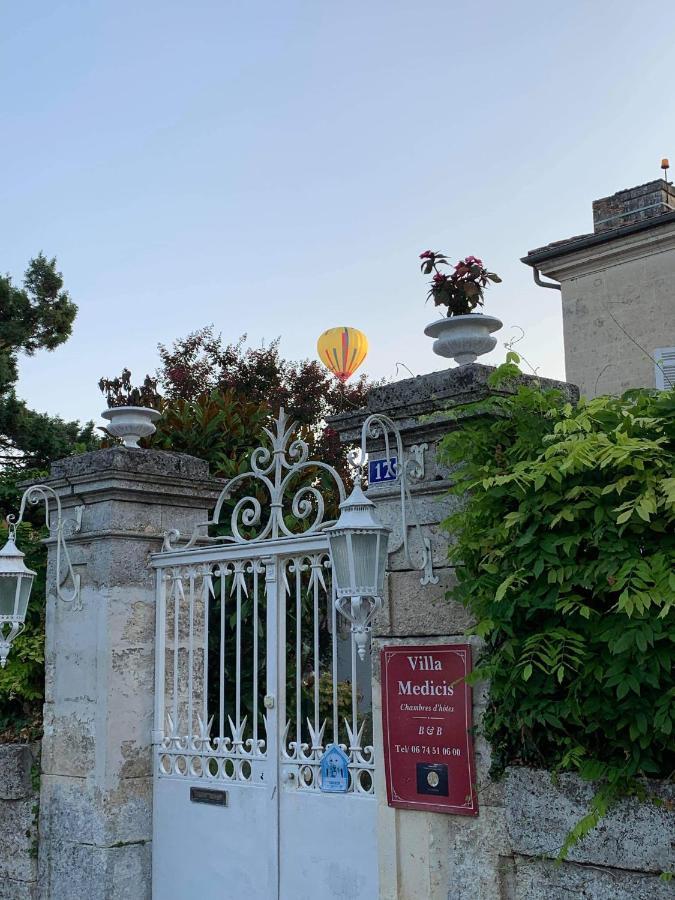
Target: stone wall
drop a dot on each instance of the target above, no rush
(508, 851)
(19, 805)
(620, 859)
(423, 854)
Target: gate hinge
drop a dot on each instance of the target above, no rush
(269, 701)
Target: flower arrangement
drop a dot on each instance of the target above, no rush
(119, 392)
(461, 291)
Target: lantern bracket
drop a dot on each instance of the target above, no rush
(380, 426)
(6, 638)
(42, 493)
(359, 612)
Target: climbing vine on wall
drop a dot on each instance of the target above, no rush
(565, 553)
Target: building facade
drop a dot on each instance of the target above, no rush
(618, 292)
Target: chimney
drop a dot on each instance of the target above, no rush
(633, 205)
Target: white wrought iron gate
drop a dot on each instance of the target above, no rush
(256, 676)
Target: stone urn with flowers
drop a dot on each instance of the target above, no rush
(130, 416)
(463, 334)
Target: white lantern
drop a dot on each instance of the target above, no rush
(16, 581)
(358, 549)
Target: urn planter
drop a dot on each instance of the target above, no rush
(464, 338)
(130, 423)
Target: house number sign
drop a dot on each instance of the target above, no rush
(382, 470)
(426, 711)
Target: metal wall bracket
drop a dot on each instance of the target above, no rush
(416, 452)
(428, 565)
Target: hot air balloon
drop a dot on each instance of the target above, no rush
(342, 350)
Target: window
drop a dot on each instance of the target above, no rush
(665, 367)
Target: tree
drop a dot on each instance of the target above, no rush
(37, 316)
(198, 367)
(201, 361)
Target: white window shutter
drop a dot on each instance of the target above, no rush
(665, 367)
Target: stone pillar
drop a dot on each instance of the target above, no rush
(96, 787)
(421, 854)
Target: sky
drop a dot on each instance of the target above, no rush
(275, 168)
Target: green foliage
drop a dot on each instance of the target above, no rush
(40, 314)
(565, 552)
(32, 440)
(37, 316)
(220, 427)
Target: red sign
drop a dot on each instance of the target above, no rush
(426, 710)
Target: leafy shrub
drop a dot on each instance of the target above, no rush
(220, 427)
(565, 553)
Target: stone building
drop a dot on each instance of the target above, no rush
(618, 292)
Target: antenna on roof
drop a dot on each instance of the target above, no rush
(665, 165)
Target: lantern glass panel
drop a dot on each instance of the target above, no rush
(8, 595)
(340, 555)
(365, 560)
(24, 596)
(383, 557)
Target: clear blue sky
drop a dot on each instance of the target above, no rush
(275, 167)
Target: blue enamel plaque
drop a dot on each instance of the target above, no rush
(334, 770)
(380, 470)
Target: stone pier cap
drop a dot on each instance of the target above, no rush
(148, 477)
(419, 403)
(163, 465)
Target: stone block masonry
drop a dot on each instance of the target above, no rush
(621, 859)
(19, 805)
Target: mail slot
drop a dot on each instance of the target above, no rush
(208, 795)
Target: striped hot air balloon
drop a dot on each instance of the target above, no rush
(342, 350)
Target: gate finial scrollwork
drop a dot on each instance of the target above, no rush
(272, 469)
